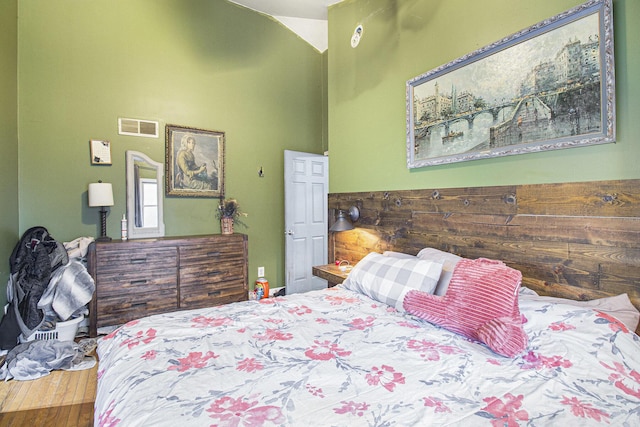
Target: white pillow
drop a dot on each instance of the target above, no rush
(387, 279)
(398, 255)
(448, 261)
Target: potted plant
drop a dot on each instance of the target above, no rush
(229, 213)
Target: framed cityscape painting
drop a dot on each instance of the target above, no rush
(550, 86)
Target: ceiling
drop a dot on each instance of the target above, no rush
(307, 18)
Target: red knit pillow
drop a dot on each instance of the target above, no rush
(481, 303)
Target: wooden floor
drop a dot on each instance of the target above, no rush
(62, 398)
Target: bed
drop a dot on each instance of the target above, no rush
(352, 356)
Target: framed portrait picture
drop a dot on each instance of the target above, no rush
(547, 87)
(194, 162)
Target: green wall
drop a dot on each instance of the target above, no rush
(8, 138)
(206, 64)
(403, 39)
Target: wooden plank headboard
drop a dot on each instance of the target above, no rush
(572, 240)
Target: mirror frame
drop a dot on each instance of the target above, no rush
(135, 232)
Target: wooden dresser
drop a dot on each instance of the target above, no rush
(140, 277)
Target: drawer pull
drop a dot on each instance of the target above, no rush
(138, 304)
(213, 253)
(138, 260)
(214, 273)
(139, 282)
(214, 293)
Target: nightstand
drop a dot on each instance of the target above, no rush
(331, 273)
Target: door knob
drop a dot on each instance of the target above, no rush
(289, 233)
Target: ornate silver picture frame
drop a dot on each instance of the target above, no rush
(550, 86)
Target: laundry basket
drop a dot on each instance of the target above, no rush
(64, 331)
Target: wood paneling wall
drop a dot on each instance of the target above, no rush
(574, 240)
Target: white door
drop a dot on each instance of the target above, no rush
(306, 185)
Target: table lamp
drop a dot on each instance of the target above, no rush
(101, 194)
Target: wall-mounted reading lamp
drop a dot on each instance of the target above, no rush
(342, 222)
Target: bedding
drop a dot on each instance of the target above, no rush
(336, 357)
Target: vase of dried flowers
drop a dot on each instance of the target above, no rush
(229, 213)
(226, 225)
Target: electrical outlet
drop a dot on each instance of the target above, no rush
(260, 271)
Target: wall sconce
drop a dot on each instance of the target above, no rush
(101, 194)
(342, 221)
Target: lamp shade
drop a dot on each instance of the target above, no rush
(100, 194)
(342, 223)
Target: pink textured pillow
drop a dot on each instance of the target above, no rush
(481, 303)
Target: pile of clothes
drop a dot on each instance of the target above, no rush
(48, 283)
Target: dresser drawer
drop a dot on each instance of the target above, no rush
(135, 283)
(207, 295)
(212, 272)
(142, 259)
(197, 255)
(124, 308)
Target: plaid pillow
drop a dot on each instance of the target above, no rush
(388, 279)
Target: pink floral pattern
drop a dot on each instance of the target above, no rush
(316, 391)
(386, 376)
(300, 310)
(273, 335)
(195, 360)
(627, 380)
(437, 404)
(343, 359)
(210, 322)
(430, 350)
(250, 364)
(241, 412)
(584, 410)
(325, 350)
(506, 411)
(357, 409)
(362, 323)
(613, 323)
(561, 326)
(539, 361)
(141, 337)
(150, 355)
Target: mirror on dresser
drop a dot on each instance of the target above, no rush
(145, 217)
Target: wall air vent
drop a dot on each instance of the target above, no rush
(135, 127)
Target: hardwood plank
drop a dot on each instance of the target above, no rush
(600, 198)
(51, 417)
(62, 398)
(499, 199)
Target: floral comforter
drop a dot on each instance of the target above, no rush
(337, 358)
